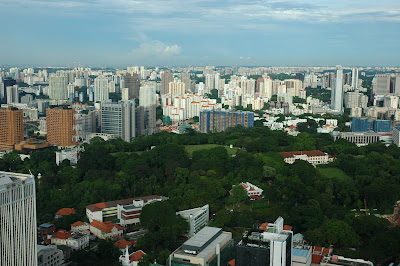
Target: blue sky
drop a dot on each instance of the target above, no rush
(200, 32)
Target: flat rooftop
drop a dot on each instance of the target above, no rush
(203, 238)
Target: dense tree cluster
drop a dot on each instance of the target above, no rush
(317, 202)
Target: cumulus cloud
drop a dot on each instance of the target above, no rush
(156, 48)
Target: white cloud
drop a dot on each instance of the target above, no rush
(155, 49)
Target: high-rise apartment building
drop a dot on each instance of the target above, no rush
(265, 87)
(58, 87)
(220, 120)
(18, 232)
(132, 82)
(7, 82)
(381, 84)
(293, 86)
(355, 99)
(118, 119)
(177, 87)
(145, 120)
(11, 127)
(354, 78)
(101, 89)
(12, 94)
(186, 79)
(148, 95)
(61, 126)
(166, 78)
(337, 91)
(209, 83)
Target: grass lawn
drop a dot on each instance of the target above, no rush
(333, 173)
(191, 148)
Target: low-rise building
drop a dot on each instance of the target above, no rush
(106, 230)
(358, 138)
(64, 212)
(122, 244)
(252, 191)
(45, 231)
(49, 256)
(71, 155)
(80, 227)
(74, 241)
(131, 259)
(313, 157)
(126, 210)
(339, 260)
(197, 218)
(210, 246)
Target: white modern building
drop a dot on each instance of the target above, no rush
(18, 231)
(337, 91)
(101, 89)
(354, 78)
(197, 218)
(148, 95)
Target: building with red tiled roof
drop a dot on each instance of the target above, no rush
(123, 243)
(318, 253)
(65, 212)
(132, 259)
(252, 191)
(80, 227)
(313, 157)
(127, 211)
(74, 240)
(106, 230)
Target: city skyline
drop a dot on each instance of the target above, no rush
(197, 32)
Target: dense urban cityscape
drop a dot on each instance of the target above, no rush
(119, 156)
(199, 133)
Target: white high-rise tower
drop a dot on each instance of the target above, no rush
(337, 91)
(354, 78)
(18, 232)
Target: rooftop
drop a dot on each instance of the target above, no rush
(291, 154)
(65, 211)
(200, 240)
(109, 204)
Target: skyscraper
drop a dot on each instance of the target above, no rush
(166, 78)
(101, 89)
(132, 82)
(11, 127)
(7, 82)
(186, 79)
(18, 232)
(12, 94)
(337, 92)
(58, 87)
(118, 119)
(60, 126)
(147, 95)
(354, 78)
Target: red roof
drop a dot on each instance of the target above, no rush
(291, 154)
(105, 227)
(231, 262)
(136, 256)
(122, 243)
(256, 197)
(287, 228)
(109, 204)
(78, 223)
(263, 226)
(61, 234)
(65, 211)
(318, 253)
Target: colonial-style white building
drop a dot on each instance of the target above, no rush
(313, 157)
